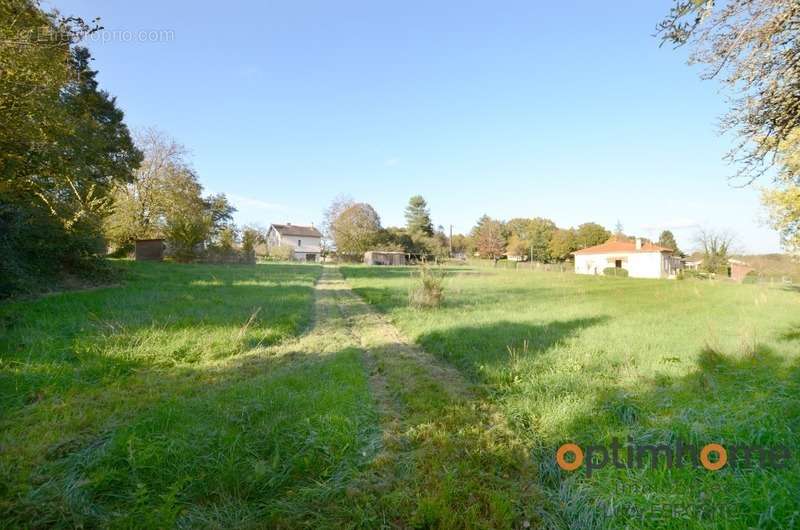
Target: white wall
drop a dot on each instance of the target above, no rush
(298, 243)
(638, 264)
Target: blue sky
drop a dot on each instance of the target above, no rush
(566, 110)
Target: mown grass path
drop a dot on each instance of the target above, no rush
(445, 458)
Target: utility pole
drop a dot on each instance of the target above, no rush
(451, 241)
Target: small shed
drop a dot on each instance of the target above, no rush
(150, 249)
(380, 257)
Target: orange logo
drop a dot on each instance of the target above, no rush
(722, 457)
(577, 453)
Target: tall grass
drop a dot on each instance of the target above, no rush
(169, 401)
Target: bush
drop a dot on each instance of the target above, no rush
(751, 277)
(281, 253)
(429, 292)
(613, 271)
(37, 251)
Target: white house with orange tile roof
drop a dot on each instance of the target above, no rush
(641, 259)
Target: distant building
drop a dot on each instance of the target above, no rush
(693, 264)
(738, 270)
(641, 259)
(149, 249)
(380, 257)
(305, 241)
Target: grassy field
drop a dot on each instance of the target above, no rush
(272, 396)
(588, 359)
(179, 398)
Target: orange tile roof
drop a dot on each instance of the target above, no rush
(616, 245)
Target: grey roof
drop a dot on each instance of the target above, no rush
(296, 230)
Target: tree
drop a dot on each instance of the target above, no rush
(753, 47)
(221, 212)
(541, 233)
(489, 238)
(394, 239)
(667, 240)
(140, 205)
(339, 204)
(63, 146)
(462, 244)
(518, 234)
(187, 219)
(251, 236)
(517, 246)
(715, 246)
(165, 199)
(418, 217)
(356, 230)
(563, 244)
(591, 234)
(783, 201)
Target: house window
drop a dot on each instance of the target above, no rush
(618, 264)
(299, 242)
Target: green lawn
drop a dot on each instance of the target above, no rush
(585, 359)
(178, 398)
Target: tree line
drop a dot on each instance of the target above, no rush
(352, 228)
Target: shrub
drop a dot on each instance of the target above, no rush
(37, 250)
(751, 277)
(281, 253)
(430, 290)
(613, 271)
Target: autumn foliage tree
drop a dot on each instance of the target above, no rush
(488, 238)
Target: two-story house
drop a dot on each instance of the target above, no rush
(305, 241)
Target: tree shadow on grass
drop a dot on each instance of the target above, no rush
(473, 348)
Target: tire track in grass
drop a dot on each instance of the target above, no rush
(446, 457)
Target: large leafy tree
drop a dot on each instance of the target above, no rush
(165, 199)
(563, 243)
(356, 230)
(63, 146)
(591, 234)
(530, 237)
